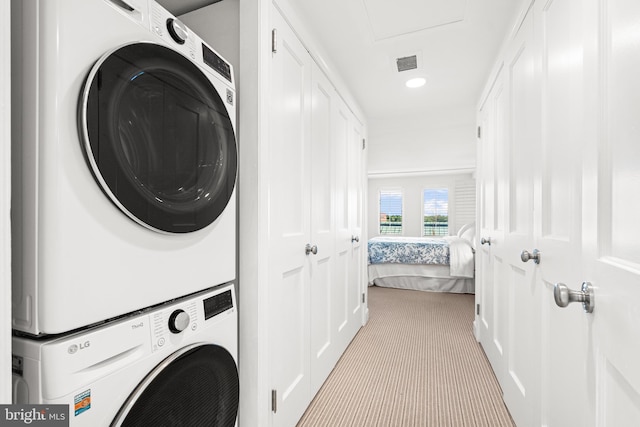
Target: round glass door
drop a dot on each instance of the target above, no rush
(158, 137)
(197, 386)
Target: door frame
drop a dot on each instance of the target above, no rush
(5, 202)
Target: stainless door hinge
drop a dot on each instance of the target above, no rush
(479, 132)
(478, 309)
(274, 41)
(364, 143)
(274, 401)
(363, 298)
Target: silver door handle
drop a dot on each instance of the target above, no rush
(308, 249)
(355, 239)
(485, 240)
(526, 256)
(565, 296)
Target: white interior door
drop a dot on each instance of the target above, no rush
(289, 222)
(612, 178)
(521, 384)
(491, 288)
(341, 288)
(355, 178)
(324, 353)
(566, 347)
(572, 172)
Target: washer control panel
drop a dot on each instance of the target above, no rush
(171, 323)
(174, 321)
(217, 304)
(178, 321)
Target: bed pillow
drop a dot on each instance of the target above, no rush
(468, 232)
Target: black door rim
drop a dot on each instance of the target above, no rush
(206, 211)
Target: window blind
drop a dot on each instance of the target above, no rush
(390, 211)
(465, 202)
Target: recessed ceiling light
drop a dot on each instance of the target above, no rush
(416, 82)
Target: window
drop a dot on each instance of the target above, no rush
(435, 212)
(390, 211)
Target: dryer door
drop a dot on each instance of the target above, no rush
(158, 137)
(197, 386)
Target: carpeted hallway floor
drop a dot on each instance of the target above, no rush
(415, 363)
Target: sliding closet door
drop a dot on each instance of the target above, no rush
(289, 223)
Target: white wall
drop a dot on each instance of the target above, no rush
(441, 141)
(461, 209)
(219, 26)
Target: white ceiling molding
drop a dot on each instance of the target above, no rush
(413, 173)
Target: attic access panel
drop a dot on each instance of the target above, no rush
(394, 18)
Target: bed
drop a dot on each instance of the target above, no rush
(440, 264)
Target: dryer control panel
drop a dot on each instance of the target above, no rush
(174, 321)
(182, 39)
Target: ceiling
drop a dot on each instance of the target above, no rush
(180, 7)
(455, 42)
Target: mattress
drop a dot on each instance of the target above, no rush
(444, 264)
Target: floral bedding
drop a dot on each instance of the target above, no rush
(408, 250)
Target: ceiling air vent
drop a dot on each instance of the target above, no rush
(407, 63)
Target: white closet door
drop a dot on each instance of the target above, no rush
(490, 287)
(358, 246)
(341, 288)
(572, 177)
(612, 182)
(289, 222)
(315, 206)
(324, 348)
(521, 384)
(565, 344)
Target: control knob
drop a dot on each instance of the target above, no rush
(177, 30)
(178, 321)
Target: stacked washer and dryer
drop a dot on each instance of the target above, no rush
(124, 216)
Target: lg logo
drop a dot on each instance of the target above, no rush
(73, 348)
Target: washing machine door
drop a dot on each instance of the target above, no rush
(197, 386)
(158, 137)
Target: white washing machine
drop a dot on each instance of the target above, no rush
(125, 162)
(172, 365)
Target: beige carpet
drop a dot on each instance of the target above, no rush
(416, 363)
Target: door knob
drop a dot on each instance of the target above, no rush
(485, 240)
(526, 256)
(355, 239)
(310, 249)
(565, 296)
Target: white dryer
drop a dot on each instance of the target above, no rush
(125, 162)
(172, 365)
